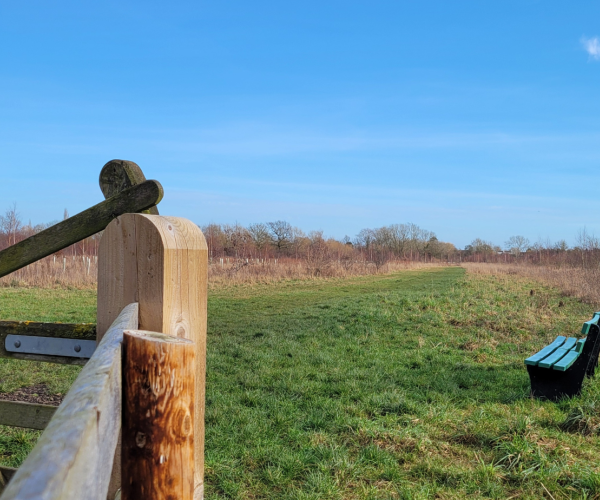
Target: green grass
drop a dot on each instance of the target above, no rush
(409, 385)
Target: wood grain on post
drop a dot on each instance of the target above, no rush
(79, 227)
(119, 175)
(158, 417)
(161, 263)
(73, 458)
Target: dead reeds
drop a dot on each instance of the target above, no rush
(572, 281)
(56, 271)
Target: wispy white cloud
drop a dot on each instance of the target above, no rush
(592, 47)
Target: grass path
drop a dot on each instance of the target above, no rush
(409, 385)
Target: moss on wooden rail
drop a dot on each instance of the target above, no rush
(134, 199)
(79, 331)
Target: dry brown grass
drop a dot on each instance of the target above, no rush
(242, 272)
(575, 282)
(70, 272)
(78, 272)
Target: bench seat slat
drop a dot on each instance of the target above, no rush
(553, 358)
(558, 354)
(546, 351)
(566, 362)
(579, 346)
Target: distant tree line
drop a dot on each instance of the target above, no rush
(281, 239)
(519, 249)
(277, 239)
(407, 242)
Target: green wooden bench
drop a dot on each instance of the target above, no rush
(558, 370)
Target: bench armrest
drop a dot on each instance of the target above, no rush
(588, 324)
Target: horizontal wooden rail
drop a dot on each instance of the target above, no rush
(91, 221)
(73, 458)
(79, 331)
(27, 415)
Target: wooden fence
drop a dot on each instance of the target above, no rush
(132, 424)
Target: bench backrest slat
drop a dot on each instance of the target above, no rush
(585, 329)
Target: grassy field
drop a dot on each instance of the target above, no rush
(410, 385)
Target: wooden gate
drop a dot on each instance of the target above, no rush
(145, 379)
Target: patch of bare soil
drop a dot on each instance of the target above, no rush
(38, 393)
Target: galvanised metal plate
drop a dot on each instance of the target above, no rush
(50, 346)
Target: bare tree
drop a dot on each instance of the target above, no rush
(10, 223)
(215, 239)
(281, 234)
(237, 238)
(480, 246)
(299, 241)
(260, 236)
(517, 244)
(561, 246)
(317, 254)
(587, 241)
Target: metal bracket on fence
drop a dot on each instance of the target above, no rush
(50, 346)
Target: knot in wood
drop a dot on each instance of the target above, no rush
(140, 439)
(181, 423)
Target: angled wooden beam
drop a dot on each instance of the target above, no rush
(119, 175)
(80, 226)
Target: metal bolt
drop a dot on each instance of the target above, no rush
(77, 348)
(17, 343)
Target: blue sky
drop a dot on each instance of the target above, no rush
(470, 119)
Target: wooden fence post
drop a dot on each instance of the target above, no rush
(161, 263)
(158, 416)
